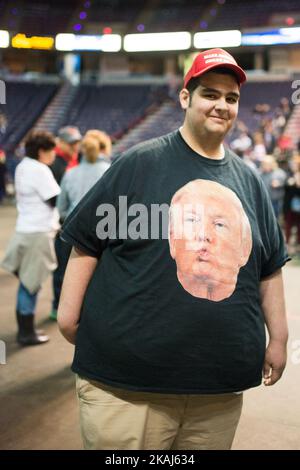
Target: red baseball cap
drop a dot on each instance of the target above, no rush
(213, 58)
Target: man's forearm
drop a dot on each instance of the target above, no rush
(273, 305)
(79, 271)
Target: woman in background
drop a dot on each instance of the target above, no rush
(76, 182)
(274, 179)
(30, 254)
(291, 206)
(96, 150)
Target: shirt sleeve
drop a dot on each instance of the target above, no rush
(80, 229)
(94, 223)
(45, 184)
(274, 252)
(63, 201)
(58, 169)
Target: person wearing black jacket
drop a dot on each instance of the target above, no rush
(66, 157)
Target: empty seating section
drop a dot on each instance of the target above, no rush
(168, 118)
(45, 18)
(115, 109)
(179, 16)
(164, 120)
(239, 14)
(114, 11)
(24, 104)
(42, 18)
(37, 17)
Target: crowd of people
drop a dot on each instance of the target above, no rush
(272, 155)
(50, 180)
(169, 328)
(79, 161)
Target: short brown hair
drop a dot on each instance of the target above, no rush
(38, 140)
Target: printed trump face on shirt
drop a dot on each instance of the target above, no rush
(210, 238)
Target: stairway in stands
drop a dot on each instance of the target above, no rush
(54, 115)
(166, 118)
(293, 126)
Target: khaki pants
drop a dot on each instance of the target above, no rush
(117, 419)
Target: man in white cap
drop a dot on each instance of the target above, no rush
(161, 364)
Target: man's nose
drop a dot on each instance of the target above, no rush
(205, 233)
(221, 104)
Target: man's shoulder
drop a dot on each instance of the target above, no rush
(148, 149)
(242, 165)
(249, 178)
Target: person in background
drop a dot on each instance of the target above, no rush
(66, 157)
(96, 150)
(66, 151)
(259, 149)
(2, 175)
(291, 205)
(30, 254)
(105, 145)
(242, 143)
(269, 136)
(3, 125)
(274, 178)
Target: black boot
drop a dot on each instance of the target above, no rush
(27, 334)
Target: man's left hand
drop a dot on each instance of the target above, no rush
(275, 361)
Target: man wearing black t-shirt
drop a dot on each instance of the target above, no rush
(157, 366)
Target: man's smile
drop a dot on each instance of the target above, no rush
(218, 118)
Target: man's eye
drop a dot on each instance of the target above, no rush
(231, 100)
(211, 97)
(220, 224)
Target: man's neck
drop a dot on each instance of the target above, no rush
(208, 147)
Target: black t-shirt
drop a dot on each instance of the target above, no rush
(140, 329)
(58, 168)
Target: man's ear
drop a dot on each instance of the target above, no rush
(184, 98)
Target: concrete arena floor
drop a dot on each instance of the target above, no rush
(38, 408)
